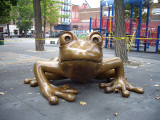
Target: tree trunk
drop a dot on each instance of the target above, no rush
(120, 31)
(38, 25)
(8, 30)
(25, 31)
(44, 32)
(50, 28)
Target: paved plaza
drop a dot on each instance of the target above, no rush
(19, 101)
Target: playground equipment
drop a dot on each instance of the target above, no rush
(157, 44)
(144, 34)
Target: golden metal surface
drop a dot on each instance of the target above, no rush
(80, 60)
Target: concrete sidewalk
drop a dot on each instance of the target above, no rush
(21, 102)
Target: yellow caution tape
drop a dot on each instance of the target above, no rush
(129, 45)
(121, 38)
(115, 38)
(26, 39)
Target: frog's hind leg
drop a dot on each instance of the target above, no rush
(34, 83)
(121, 86)
(107, 75)
(119, 83)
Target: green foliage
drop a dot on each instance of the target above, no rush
(50, 10)
(5, 9)
(24, 25)
(23, 14)
(136, 12)
(128, 11)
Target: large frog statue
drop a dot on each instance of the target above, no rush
(79, 60)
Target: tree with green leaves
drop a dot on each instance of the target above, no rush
(136, 12)
(50, 13)
(23, 14)
(5, 10)
(128, 11)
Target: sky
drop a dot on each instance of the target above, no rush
(92, 3)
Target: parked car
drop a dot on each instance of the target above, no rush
(53, 34)
(30, 35)
(5, 34)
(21, 35)
(56, 34)
(47, 35)
(13, 35)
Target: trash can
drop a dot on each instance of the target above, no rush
(1, 39)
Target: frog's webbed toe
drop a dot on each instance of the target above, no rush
(53, 93)
(68, 89)
(32, 81)
(135, 89)
(54, 99)
(120, 85)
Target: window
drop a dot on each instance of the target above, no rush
(156, 11)
(15, 32)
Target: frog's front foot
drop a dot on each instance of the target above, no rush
(120, 85)
(52, 93)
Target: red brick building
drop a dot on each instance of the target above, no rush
(79, 20)
(75, 13)
(81, 16)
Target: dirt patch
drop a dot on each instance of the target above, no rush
(13, 58)
(135, 64)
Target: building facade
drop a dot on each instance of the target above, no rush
(81, 21)
(65, 21)
(75, 13)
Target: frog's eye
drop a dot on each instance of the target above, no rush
(97, 39)
(66, 38)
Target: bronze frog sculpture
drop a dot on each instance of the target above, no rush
(79, 60)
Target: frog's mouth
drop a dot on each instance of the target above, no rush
(80, 69)
(81, 60)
